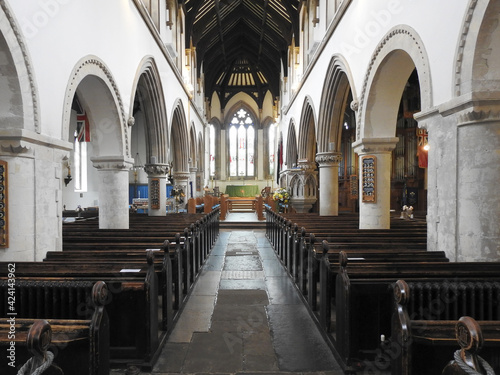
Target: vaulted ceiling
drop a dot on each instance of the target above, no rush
(241, 44)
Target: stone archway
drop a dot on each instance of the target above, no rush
(306, 163)
(179, 147)
(475, 116)
(334, 101)
(397, 56)
(150, 126)
(97, 92)
(32, 218)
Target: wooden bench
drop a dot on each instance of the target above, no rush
(77, 346)
(365, 286)
(133, 309)
(425, 329)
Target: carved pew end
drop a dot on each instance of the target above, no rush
(466, 360)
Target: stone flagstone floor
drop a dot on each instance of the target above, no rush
(245, 316)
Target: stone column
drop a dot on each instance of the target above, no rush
(376, 215)
(113, 191)
(302, 184)
(192, 177)
(478, 171)
(181, 179)
(259, 156)
(157, 173)
(329, 182)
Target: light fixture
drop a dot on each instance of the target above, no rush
(68, 178)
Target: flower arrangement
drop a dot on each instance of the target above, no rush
(178, 193)
(407, 212)
(281, 195)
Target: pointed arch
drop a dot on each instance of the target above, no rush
(216, 162)
(291, 147)
(192, 147)
(179, 140)
(200, 153)
(242, 105)
(148, 97)
(334, 101)
(307, 132)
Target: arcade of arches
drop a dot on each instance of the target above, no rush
(352, 107)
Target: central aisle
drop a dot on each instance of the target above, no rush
(244, 315)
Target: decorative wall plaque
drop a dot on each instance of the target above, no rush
(4, 233)
(354, 186)
(154, 194)
(369, 186)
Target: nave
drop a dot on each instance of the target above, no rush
(244, 315)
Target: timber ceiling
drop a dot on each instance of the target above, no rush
(241, 44)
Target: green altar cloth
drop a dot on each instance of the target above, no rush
(242, 190)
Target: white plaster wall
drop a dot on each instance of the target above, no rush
(113, 32)
(365, 24)
(57, 35)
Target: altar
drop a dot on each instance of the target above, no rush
(242, 190)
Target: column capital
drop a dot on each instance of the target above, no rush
(181, 176)
(112, 163)
(156, 170)
(306, 165)
(375, 145)
(328, 159)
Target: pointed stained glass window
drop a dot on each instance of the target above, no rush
(241, 145)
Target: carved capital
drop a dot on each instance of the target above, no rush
(156, 170)
(355, 105)
(329, 159)
(306, 165)
(179, 176)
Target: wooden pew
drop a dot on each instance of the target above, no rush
(79, 347)
(425, 331)
(134, 328)
(363, 286)
(195, 245)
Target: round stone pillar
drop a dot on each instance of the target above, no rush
(157, 188)
(113, 191)
(193, 171)
(374, 210)
(181, 179)
(328, 183)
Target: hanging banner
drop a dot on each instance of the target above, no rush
(369, 170)
(4, 233)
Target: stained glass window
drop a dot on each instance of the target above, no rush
(241, 145)
(272, 151)
(212, 151)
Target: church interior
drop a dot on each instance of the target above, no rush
(250, 187)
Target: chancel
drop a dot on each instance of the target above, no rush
(250, 186)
